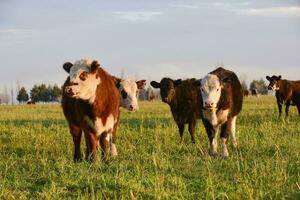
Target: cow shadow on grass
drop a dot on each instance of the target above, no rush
(147, 123)
(31, 122)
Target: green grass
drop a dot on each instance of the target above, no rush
(36, 159)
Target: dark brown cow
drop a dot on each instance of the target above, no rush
(30, 102)
(254, 92)
(222, 96)
(90, 103)
(246, 93)
(184, 100)
(286, 92)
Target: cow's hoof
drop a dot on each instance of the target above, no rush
(224, 156)
(213, 153)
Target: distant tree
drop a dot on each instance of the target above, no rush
(244, 85)
(44, 93)
(56, 92)
(22, 95)
(35, 93)
(259, 85)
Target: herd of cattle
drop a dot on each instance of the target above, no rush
(92, 99)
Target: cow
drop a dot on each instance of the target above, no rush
(254, 92)
(184, 101)
(90, 102)
(222, 97)
(296, 101)
(30, 102)
(129, 90)
(246, 93)
(286, 92)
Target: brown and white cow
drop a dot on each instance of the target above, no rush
(129, 90)
(222, 96)
(90, 103)
(184, 101)
(286, 92)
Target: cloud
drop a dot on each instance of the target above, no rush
(187, 6)
(15, 31)
(292, 11)
(138, 16)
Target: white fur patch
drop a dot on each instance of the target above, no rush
(99, 127)
(274, 87)
(216, 118)
(211, 116)
(130, 87)
(113, 150)
(84, 89)
(214, 145)
(233, 130)
(222, 116)
(210, 90)
(224, 150)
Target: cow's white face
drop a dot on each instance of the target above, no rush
(83, 81)
(211, 91)
(129, 94)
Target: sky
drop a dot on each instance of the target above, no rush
(148, 39)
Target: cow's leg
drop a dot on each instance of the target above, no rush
(279, 104)
(287, 105)
(212, 136)
(92, 144)
(105, 139)
(224, 138)
(298, 107)
(76, 133)
(192, 125)
(113, 148)
(181, 129)
(232, 131)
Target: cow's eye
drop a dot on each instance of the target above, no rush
(218, 89)
(124, 94)
(83, 76)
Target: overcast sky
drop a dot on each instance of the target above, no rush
(148, 39)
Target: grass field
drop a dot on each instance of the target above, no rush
(36, 159)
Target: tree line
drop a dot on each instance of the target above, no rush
(40, 93)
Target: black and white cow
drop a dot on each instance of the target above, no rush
(129, 90)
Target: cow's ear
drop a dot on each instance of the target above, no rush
(279, 77)
(117, 81)
(94, 66)
(177, 82)
(268, 78)
(141, 84)
(67, 66)
(155, 84)
(197, 83)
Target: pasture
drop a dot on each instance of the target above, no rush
(36, 160)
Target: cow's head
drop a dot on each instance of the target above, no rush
(129, 90)
(83, 79)
(167, 88)
(274, 82)
(211, 88)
